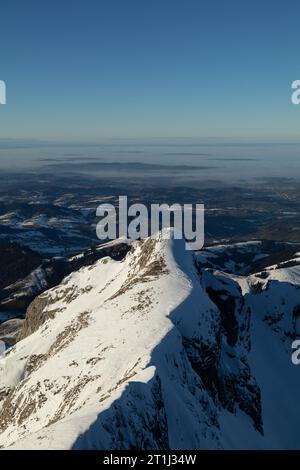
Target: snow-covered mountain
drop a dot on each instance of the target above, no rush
(156, 351)
(28, 275)
(47, 229)
(247, 257)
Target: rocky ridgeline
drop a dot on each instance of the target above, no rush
(154, 351)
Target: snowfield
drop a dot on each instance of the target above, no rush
(153, 352)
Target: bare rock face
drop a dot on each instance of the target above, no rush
(35, 316)
(10, 330)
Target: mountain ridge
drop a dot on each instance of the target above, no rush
(156, 357)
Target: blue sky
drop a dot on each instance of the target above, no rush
(87, 70)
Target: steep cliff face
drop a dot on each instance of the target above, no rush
(150, 352)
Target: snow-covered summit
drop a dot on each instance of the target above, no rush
(147, 352)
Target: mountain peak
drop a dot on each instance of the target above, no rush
(148, 352)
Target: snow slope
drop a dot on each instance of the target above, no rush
(159, 355)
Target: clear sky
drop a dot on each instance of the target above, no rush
(84, 70)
